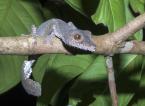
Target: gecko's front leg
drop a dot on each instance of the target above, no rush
(34, 30)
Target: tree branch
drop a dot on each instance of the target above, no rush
(111, 42)
(27, 45)
(107, 44)
(133, 47)
(129, 29)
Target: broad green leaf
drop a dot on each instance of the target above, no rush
(40, 67)
(89, 83)
(77, 5)
(60, 70)
(16, 17)
(9, 71)
(129, 75)
(110, 13)
(140, 100)
(143, 1)
(91, 87)
(85, 7)
(137, 5)
(103, 100)
(114, 14)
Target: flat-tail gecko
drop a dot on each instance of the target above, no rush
(68, 33)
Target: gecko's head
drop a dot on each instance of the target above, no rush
(81, 39)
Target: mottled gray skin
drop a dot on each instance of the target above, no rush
(31, 87)
(66, 32)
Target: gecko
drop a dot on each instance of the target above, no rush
(68, 33)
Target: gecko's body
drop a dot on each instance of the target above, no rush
(69, 35)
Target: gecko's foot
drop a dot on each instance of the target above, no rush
(33, 30)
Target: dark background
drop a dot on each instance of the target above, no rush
(17, 97)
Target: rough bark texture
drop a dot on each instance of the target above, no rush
(26, 45)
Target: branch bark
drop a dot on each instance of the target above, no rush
(28, 45)
(129, 29)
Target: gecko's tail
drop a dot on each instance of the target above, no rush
(30, 86)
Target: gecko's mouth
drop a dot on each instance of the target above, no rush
(90, 48)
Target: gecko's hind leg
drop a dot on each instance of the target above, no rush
(51, 35)
(49, 38)
(30, 86)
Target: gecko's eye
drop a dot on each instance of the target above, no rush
(78, 37)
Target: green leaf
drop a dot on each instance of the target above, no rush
(110, 13)
(9, 72)
(60, 70)
(102, 100)
(76, 4)
(89, 83)
(91, 86)
(16, 17)
(139, 99)
(85, 7)
(129, 75)
(114, 14)
(137, 5)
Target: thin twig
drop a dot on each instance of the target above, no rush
(133, 47)
(111, 81)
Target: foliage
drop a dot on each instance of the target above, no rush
(78, 80)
